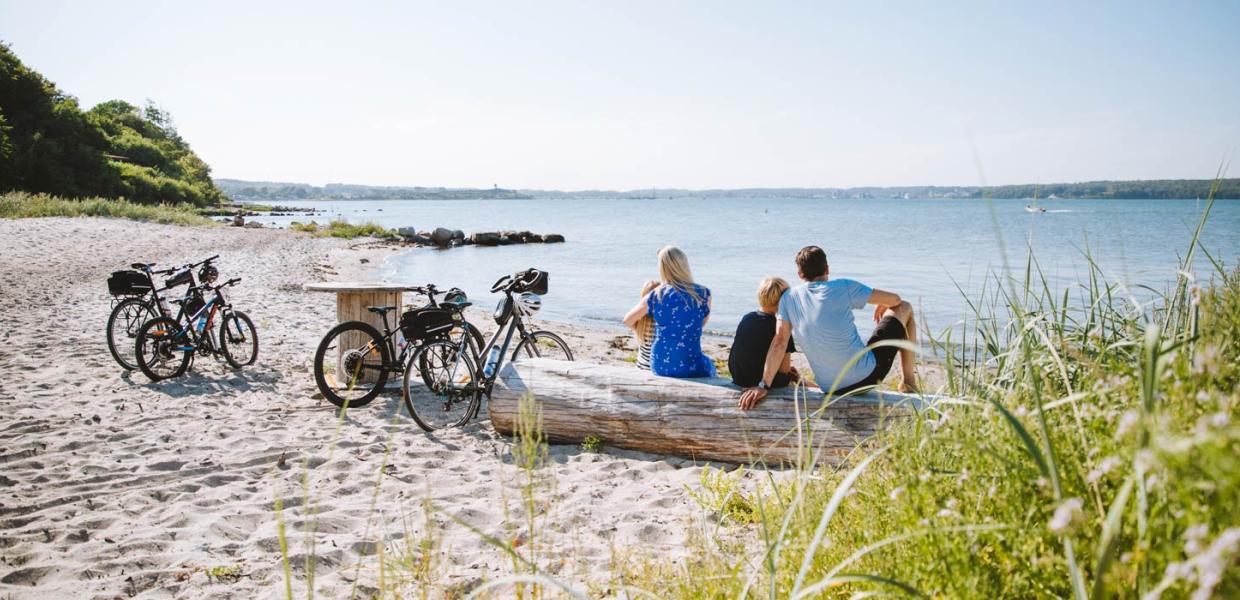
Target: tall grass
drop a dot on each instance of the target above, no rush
(1088, 446)
(22, 205)
(344, 229)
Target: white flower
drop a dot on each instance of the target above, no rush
(1127, 422)
(1066, 514)
(1042, 482)
(1102, 469)
(1021, 412)
(896, 493)
(1193, 537)
(964, 476)
(1220, 419)
(990, 493)
(1206, 360)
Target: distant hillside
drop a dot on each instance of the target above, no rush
(1156, 189)
(262, 191)
(49, 144)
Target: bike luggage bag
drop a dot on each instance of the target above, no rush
(426, 323)
(128, 283)
(182, 278)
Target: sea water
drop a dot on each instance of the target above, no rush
(925, 250)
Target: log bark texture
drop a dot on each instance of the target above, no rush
(695, 418)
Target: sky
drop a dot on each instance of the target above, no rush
(643, 94)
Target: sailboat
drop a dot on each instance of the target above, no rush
(1033, 206)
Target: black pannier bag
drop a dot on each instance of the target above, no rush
(194, 304)
(535, 281)
(128, 283)
(182, 278)
(426, 323)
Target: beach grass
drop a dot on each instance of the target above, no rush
(1086, 444)
(344, 229)
(23, 205)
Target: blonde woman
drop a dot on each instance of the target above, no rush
(680, 309)
(644, 331)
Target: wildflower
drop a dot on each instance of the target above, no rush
(1127, 422)
(1042, 482)
(1206, 360)
(990, 493)
(1220, 419)
(1021, 412)
(896, 493)
(1193, 537)
(1102, 469)
(1066, 514)
(964, 476)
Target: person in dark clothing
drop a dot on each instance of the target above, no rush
(753, 339)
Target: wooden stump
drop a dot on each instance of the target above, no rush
(696, 418)
(351, 306)
(352, 300)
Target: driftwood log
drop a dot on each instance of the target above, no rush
(696, 418)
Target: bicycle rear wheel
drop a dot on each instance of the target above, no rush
(126, 319)
(441, 385)
(161, 349)
(542, 344)
(351, 364)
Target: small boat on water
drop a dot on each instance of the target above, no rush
(1034, 209)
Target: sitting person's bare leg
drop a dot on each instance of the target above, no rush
(908, 373)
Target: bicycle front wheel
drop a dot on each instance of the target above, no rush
(542, 344)
(163, 349)
(238, 340)
(441, 385)
(351, 364)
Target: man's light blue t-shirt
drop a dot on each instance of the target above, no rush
(821, 314)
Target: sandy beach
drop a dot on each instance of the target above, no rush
(114, 486)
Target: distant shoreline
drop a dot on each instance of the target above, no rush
(1163, 189)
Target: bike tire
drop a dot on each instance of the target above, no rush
(542, 344)
(237, 338)
(156, 335)
(370, 335)
(446, 378)
(129, 315)
(475, 341)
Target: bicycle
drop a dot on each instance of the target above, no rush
(353, 361)
(454, 383)
(142, 301)
(161, 339)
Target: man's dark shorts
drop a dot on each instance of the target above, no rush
(889, 328)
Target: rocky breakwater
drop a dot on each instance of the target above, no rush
(442, 237)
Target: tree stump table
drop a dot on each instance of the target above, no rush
(352, 301)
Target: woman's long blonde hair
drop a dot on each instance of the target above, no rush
(645, 325)
(674, 271)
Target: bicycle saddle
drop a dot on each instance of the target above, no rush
(380, 310)
(141, 266)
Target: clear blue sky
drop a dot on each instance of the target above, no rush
(634, 94)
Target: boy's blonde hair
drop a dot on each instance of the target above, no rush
(645, 325)
(770, 290)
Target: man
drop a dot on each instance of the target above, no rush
(819, 314)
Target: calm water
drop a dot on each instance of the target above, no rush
(913, 247)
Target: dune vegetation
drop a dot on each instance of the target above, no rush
(22, 205)
(1086, 445)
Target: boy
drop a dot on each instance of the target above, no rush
(753, 339)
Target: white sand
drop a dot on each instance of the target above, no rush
(112, 486)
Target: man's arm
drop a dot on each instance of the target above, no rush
(883, 300)
(774, 359)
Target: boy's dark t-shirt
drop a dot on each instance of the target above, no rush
(749, 348)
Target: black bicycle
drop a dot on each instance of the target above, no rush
(353, 361)
(166, 347)
(453, 379)
(138, 299)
